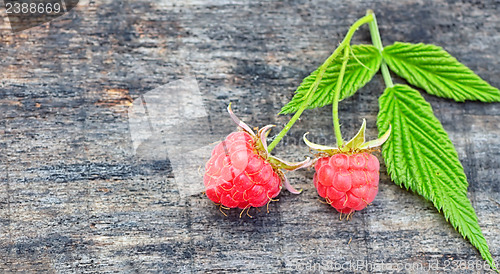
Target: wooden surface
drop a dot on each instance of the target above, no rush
(75, 196)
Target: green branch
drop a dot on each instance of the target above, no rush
(335, 107)
(366, 19)
(377, 42)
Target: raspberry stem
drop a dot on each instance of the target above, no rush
(377, 42)
(345, 44)
(335, 107)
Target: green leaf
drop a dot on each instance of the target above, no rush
(431, 68)
(363, 63)
(420, 156)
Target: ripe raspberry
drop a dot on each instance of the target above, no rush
(236, 176)
(347, 182)
(241, 172)
(348, 177)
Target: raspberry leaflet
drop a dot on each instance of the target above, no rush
(241, 173)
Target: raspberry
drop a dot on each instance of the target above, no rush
(348, 177)
(347, 182)
(236, 176)
(241, 172)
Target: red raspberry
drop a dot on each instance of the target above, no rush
(348, 177)
(236, 176)
(242, 173)
(347, 182)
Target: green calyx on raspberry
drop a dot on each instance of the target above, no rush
(356, 145)
(260, 147)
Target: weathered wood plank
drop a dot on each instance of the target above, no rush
(74, 196)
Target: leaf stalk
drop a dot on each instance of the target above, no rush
(377, 42)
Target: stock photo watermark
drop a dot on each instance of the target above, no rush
(370, 266)
(25, 14)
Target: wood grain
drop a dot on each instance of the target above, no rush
(76, 197)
